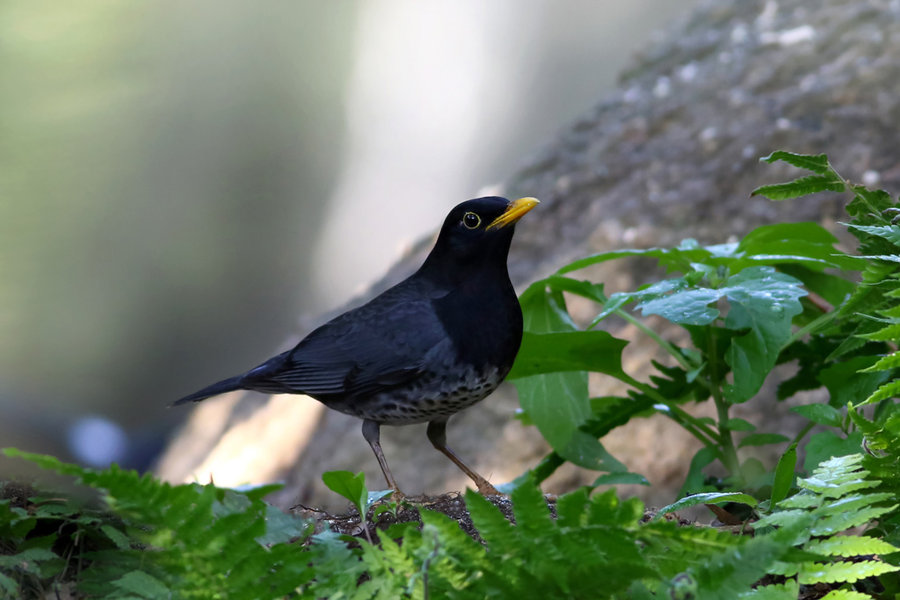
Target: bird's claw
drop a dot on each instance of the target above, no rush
(486, 489)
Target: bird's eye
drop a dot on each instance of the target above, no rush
(471, 220)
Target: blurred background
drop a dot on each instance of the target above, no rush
(180, 181)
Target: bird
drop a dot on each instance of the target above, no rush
(434, 344)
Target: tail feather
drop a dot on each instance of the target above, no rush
(226, 385)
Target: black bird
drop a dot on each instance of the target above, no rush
(432, 345)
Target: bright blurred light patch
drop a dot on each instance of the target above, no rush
(97, 441)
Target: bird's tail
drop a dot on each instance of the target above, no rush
(226, 385)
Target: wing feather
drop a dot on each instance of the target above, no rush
(362, 352)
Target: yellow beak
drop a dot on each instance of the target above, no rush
(514, 212)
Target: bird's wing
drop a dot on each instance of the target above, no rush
(373, 348)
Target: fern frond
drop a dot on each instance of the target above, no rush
(841, 572)
(847, 546)
(846, 595)
(788, 590)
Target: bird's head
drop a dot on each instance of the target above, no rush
(478, 231)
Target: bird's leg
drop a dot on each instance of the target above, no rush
(371, 431)
(437, 435)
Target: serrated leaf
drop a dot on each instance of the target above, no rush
(833, 524)
(27, 560)
(571, 508)
(826, 444)
(801, 500)
(868, 202)
(778, 591)
(885, 334)
(781, 518)
(122, 541)
(888, 390)
(849, 545)
(531, 512)
(489, 521)
(846, 595)
(891, 233)
(840, 572)
(803, 186)
(142, 585)
(817, 163)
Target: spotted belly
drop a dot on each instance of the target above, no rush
(430, 397)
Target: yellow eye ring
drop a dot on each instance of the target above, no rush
(471, 220)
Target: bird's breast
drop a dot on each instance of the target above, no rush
(435, 395)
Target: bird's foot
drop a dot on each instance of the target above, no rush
(486, 489)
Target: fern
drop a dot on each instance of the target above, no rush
(840, 495)
(187, 540)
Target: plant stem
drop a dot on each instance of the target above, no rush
(667, 346)
(810, 327)
(694, 426)
(727, 450)
(802, 433)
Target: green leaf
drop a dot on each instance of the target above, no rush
(846, 595)
(9, 587)
(805, 243)
(817, 163)
(823, 414)
(28, 560)
(826, 444)
(621, 478)
(736, 424)
(890, 333)
(784, 475)
(706, 498)
(142, 585)
(693, 482)
(375, 496)
(558, 402)
(891, 233)
(789, 590)
(850, 545)
(885, 363)
(350, 486)
(554, 402)
(839, 572)
(685, 307)
(673, 259)
(888, 390)
(848, 382)
(803, 186)
(542, 353)
(765, 302)
(122, 541)
(586, 289)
